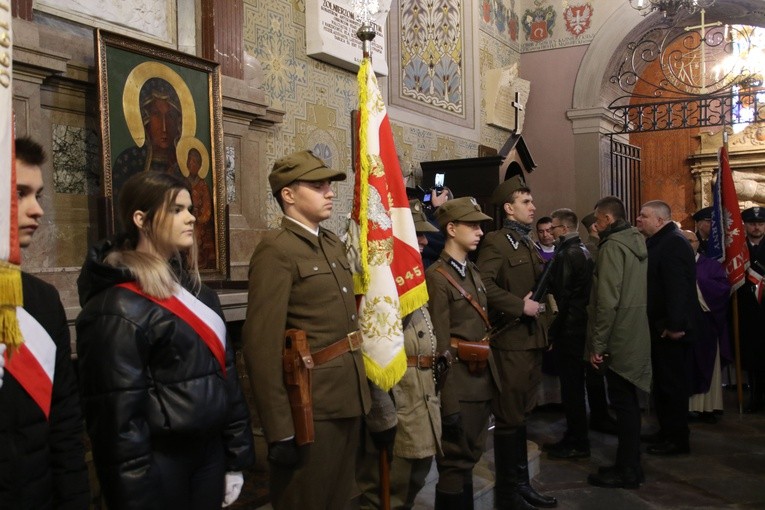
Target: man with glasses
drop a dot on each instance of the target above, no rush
(571, 283)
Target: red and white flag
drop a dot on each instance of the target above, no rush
(728, 226)
(756, 279)
(389, 277)
(10, 254)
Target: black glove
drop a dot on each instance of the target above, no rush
(451, 427)
(384, 440)
(441, 369)
(283, 453)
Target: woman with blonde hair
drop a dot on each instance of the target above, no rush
(165, 414)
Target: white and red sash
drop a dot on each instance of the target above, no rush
(200, 317)
(33, 365)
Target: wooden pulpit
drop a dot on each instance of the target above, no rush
(478, 177)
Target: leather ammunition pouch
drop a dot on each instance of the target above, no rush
(473, 354)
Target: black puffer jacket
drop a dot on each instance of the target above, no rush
(42, 461)
(571, 284)
(147, 376)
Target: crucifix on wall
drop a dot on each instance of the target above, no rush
(518, 107)
(506, 97)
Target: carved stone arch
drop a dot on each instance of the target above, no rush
(590, 117)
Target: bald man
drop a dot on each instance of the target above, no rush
(673, 315)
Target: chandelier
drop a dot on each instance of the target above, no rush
(669, 8)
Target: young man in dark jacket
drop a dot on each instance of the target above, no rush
(42, 457)
(571, 283)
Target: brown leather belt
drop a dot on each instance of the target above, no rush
(422, 362)
(349, 343)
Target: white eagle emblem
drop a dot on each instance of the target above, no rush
(578, 18)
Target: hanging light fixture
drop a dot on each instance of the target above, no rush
(669, 8)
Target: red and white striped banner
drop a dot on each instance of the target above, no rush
(33, 364)
(389, 276)
(200, 317)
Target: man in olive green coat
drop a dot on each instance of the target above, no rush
(300, 278)
(618, 340)
(469, 388)
(510, 266)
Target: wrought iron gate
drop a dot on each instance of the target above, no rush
(625, 176)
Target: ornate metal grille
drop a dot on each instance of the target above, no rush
(625, 176)
(718, 110)
(690, 77)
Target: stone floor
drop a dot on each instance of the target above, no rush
(725, 470)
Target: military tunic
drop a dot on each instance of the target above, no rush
(510, 267)
(301, 280)
(469, 395)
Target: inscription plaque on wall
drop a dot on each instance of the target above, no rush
(501, 88)
(149, 20)
(330, 35)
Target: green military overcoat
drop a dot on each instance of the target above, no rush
(617, 317)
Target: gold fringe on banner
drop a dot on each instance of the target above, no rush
(11, 296)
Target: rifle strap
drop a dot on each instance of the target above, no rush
(465, 294)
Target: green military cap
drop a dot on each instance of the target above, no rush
(421, 223)
(588, 220)
(460, 209)
(301, 166)
(504, 191)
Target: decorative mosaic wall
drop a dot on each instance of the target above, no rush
(549, 24)
(432, 54)
(499, 19)
(318, 100)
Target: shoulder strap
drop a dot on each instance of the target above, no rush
(466, 295)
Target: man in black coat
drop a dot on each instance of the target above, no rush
(42, 456)
(571, 283)
(752, 308)
(673, 310)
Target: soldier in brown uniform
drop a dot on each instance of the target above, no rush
(418, 435)
(458, 309)
(510, 265)
(300, 278)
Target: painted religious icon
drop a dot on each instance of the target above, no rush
(161, 112)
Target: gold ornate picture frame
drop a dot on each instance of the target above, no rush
(161, 111)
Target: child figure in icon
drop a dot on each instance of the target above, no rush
(195, 165)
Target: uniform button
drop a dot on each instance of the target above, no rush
(315, 268)
(353, 317)
(345, 290)
(420, 334)
(334, 265)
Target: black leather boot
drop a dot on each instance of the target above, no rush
(467, 496)
(506, 496)
(449, 500)
(524, 488)
(755, 392)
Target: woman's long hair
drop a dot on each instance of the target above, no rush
(154, 194)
